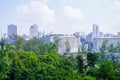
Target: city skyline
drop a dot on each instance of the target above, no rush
(60, 16)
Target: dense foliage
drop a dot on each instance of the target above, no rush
(37, 60)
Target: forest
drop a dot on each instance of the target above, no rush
(36, 60)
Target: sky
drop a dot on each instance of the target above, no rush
(60, 16)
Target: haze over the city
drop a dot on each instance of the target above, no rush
(60, 16)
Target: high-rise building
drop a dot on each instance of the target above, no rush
(12, 30)
(34, 31)
(118, 34)
(95, 30)
(89, 38)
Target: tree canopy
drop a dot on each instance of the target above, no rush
(36, 60)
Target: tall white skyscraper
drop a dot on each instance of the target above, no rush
(34, 31)
(12, 30)
(95, 30)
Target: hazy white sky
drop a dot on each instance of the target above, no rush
(60, 16)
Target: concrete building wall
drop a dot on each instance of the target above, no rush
(34, 31)
(97, 43)
(95, 30)
(73, 43)
(12, 30)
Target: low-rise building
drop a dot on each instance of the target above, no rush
(98, 42)
(66, 44)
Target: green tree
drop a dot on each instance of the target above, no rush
(29, 45)
(111, 48)
(91, 59)
(117, 48)
(106, 71)
(57, 42)
(68, 47)
(18, 42)
(117, 71)
(103, 50)
(54, 67)
(5, 64)
(80, 64)
(92, 71)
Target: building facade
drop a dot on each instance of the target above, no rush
(89, 38)
(118, 34)
(98, 42)
(33, 31)
(95, 30)
(12, 30)
(67, 42)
